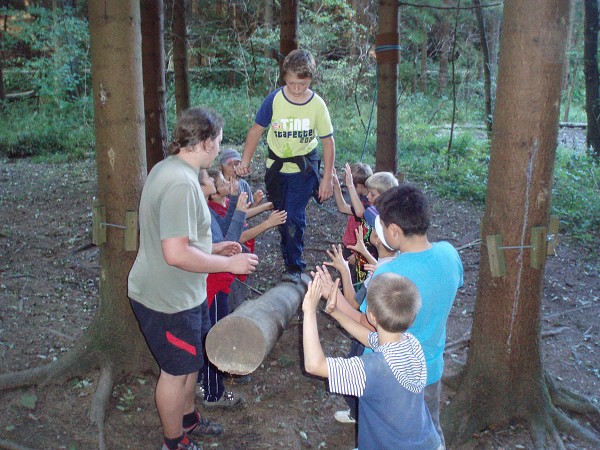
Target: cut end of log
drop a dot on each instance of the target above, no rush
(230, 353)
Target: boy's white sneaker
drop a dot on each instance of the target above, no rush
(344, 417)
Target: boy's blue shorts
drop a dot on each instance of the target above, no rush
(175, 340)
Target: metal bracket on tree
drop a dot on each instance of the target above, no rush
(543, 242)
(99, 226)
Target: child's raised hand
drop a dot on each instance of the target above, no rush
(348, 176)
(370, 267)
(312, 296)
(234, 186)
(268, 205)
(326, 280)
(277, 218)
(242, 203)
(335, 179)
(360, 246)
(258, 196)
(337, 259)
(332, 297)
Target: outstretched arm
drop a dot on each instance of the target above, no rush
(276, 218)
(356, 329)
(339, 263)
(252, 139)
(255, 210)
(340, 201)
(326, 186)
(359, 208)
(314, 358)
(179, 253)
(360, 246)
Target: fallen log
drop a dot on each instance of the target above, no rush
(239, 343)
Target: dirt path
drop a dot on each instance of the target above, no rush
(48, 295)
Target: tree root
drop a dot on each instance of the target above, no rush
(100, 401)
(570, 426)
(78, 360)
(10, 445)
(571, 401)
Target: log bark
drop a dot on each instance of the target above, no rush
(239, 343)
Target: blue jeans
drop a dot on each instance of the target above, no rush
(296, 190)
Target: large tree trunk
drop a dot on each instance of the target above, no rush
(121, 163)
(153, 62)
(504, 379)
(485, 56)
(240, 342)
(113, 342)
(387, 49)
(288, 33)
(180, 57)
(590, 61)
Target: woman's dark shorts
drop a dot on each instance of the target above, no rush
(175, 340)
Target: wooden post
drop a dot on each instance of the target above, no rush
(239, 343)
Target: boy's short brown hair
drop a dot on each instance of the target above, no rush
(360, 173)
(394, 300)
(381, 181)
(301, 63)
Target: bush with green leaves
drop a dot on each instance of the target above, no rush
(35, 130)
(59, 42)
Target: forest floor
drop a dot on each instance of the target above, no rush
(49, 294)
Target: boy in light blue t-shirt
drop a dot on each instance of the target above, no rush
(436, 270)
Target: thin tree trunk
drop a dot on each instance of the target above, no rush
(268, 14)
(180, 58)
(387, 49)
(504, 373)
(423, 80)
(495, 19)
(444, 51)
(592, 90)
(485, 56)
(153, 60)
(2, 30)
(288, 33)
(570, 44)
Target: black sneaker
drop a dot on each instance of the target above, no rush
(291, 277)
(185, 444)
(228, 400)
(205, 427)
(239, 379)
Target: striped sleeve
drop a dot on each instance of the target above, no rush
(346, 376)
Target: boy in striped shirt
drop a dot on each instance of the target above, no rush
(390, 381)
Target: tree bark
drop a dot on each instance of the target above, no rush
(288, 33)
(2, 29)
(590, 61)
(268, 14)
(115, 41)
(387, 50)
(504, 373)
(153, 67)
(485, 56)
(444, 51)
(114, 338)
(239, 343)
(423, 78)
(180, 57)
